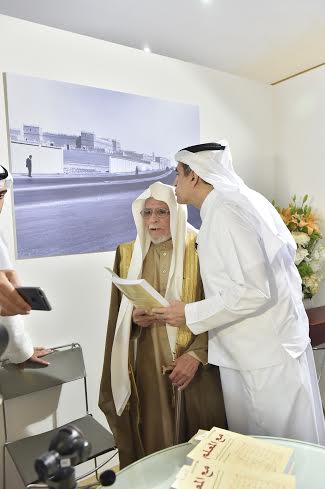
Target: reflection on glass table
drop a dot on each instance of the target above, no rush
(158, 471)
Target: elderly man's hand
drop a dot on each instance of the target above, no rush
(143, 318)
(174, 315)
(10, 301)
(184, 370)
(39, 351)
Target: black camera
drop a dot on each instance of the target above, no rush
(67, 449)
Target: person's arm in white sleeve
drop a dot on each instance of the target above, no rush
(242, 288)
(20, 347)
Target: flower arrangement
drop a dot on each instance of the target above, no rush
(303, 225)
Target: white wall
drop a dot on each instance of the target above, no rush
(230, 107)
(118, 165)
(299, 132)
(45, 159)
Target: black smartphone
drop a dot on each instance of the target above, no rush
(35, 297)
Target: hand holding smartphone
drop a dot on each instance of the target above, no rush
(35, 297)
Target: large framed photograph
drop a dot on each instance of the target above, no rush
(80, 156)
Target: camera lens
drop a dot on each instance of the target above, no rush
(46, 465)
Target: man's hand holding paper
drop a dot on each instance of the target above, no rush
(174, 315)
(143, 318)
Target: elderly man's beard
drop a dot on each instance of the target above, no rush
(161, 239)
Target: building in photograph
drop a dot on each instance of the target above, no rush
(66, 141)
(15, 134)
(31, 134)
(86, 140)
(83, 153)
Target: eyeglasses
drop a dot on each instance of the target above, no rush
(161, 213)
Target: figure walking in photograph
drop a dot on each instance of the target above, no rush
(29, 165)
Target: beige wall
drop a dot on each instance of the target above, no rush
(299, 131)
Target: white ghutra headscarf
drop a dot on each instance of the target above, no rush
(120, 381)
(216, 168)
(5, 175)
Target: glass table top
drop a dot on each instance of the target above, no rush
(158, 471)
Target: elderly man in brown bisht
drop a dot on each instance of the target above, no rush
(146, 367)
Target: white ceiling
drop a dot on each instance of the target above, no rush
(265, 40)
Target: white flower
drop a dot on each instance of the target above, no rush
(302, 239)
(315, 265)
(321, 250)
(318, 253)
(312, 282)
(317, 257)
(301, 254)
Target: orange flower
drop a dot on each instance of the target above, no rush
(300, 219)
(286, 215)
(310, 223)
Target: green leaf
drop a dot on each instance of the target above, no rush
(305, 269)
(305, 198)
(307, 294)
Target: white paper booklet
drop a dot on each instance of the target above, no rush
(229, 447)
(199, 436)
(217, 475)
(139, 292)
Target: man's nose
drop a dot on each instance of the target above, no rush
(153, 217)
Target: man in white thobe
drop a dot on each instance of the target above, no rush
(253, 311)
